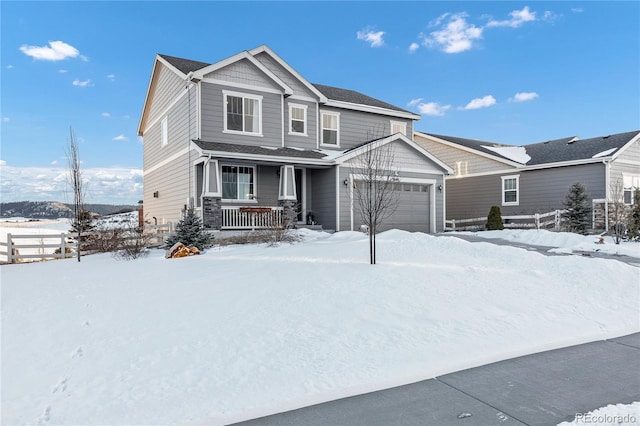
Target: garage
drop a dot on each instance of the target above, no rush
(413, 212)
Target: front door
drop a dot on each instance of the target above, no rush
(300, 195)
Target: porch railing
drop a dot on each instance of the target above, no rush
(251, 217)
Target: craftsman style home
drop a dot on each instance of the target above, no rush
(535, 178)
(247, 141)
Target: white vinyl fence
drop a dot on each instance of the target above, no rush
(550, 220)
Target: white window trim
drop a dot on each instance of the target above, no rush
(255, 185)
(633, 188)
(337, 115)
(303, 107)
(502, 190)
(398, 123)
(164, 131)
(258, 98)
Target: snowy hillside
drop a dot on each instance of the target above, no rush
(244, 331)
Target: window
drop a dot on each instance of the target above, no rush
(330, 129)
(238, 183)
(630, 183)
(164, 130)
(398, 127)
(243, 113)
(510, 190)
(298, 119)
(461, 168)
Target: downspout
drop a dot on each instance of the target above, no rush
(282, 116)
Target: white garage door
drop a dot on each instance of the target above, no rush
(412, 212)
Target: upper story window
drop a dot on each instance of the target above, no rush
(630, 183)
(461, 168)
(298, 119)
(238, 183)
(164, 130)
(398, 127)
(510, 190)
(243, 113)
(330, 129)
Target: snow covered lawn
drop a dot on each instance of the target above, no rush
(244, 331)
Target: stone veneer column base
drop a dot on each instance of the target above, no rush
(212, 213)
(289, 214)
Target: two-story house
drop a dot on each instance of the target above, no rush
(249, 135)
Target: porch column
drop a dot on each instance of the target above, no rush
(287, 195)
(212, 213)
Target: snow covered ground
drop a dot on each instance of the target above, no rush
(562, 242)
(245, 331)
(22, 226)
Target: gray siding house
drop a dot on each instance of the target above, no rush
(248, 139)
(535, 178)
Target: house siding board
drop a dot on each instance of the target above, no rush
(289, 79)
(450, 155)
(323, 204)
(306, 142)
(620, 169)
(243, 72)
(407, 157)
(213, 117)
(166, 87)
(171, 182)
(358, 127)
(632, 153)
(540, 191)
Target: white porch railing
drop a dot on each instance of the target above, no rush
(251, 217)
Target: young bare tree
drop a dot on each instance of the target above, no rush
(77, 186)
(617, 210)
(374, 189)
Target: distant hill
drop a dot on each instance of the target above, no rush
(55, 209)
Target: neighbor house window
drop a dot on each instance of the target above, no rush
(164, 130)
(243, 113)
(461, 168)
(238, 182)
(630, 183)
(398, 127)
(510, 190)
(330, 128)
(298, 119)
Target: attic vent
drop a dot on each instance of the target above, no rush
(573, 141)
(606, 137)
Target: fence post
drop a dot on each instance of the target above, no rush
(63, 246)
(9, 249)
(557, 220)
(453, 225)
(537, 220)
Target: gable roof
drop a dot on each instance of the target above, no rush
(353, 97)
(185, 66)
(569, 149)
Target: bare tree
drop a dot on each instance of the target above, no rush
(77, 186)
(617, 210)
(374, 188)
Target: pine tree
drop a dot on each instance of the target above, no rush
(494, 220)
(190, 232)
(577, 209)
(634, 218)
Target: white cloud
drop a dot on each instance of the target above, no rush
(457, 35)
(414, 102)
(120, 138)
(373, 38)
(516, 18)
(433, 108)
(577, 9)
(483, 102)
(3, 163)
(524, 96)
(54, 162)
(9, 66)
(413, 47)
(106, 114)
(104, 185)
(62, 71)
(6, 119)
(56, 51)
(85, 83)
(111, 77)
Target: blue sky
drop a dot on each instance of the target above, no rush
(508, 72)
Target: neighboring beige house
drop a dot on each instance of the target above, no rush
(534, 178)
(248, 140)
